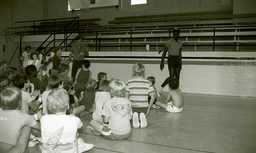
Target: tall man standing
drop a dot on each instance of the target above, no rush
(173, 46)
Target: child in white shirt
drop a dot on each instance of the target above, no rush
(58, 130)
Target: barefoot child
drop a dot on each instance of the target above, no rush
(174, 101)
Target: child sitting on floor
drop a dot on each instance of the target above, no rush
(138, 89)
(153, 80)
(88, 97)
(101, 76)
(100, 98)
(117, 114)
(57, 82)
(31, 73)
(173, 103)
(15, 126)
(59, 131)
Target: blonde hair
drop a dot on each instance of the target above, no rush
(117, 88)
(138, 69)
(10, 98)
(91, 85)
(58, 101)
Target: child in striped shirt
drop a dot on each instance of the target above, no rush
(138, 89)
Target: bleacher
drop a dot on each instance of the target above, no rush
(219, 28)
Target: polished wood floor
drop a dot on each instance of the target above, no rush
(212, 124)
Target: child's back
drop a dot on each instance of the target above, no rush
(59, 130)
(100, 98)
(89, 95)
(177, 98)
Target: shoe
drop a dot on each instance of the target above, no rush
(135, 120)
(90, 130)
(82, 147)
(143, 120)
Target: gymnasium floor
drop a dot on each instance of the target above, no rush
(221, 124)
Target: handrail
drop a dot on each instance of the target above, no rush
(131, 32)
(65, 35)
(45, 20)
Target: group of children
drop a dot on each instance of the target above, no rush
(52, 107)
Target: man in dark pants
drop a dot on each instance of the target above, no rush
(173, 46)
(79, 51)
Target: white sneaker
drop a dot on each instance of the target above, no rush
(82, 147)
(143, 120)
(135, 120)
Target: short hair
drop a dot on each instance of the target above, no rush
(32, 54)
(27, 46)
(176, 30)
(151, 79)
(91, 85)
(101, 75)
(58, 101)
(10, 98)
(104, 85)
(174, 83)
(86, 63)
(19, 80)
(31, 70)
(138, 69)
(117, 88)
(63, 67)
(55, 81)
(3, 77)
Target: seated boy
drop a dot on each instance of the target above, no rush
(174, 100)
(101, 76)
(58, 130)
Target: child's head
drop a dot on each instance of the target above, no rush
(55, 81)
(27, 48)
(174, 83)
(64, 68)
(104, 85)
(117, 88)
(19, 80)
(151, 79)
(31, 71)
(4, 80)
(10, 98)
(86, 64)
(57, 50)
(102, 76)
(33, 55)
(58, 101)
(91, 85)
(138, 69)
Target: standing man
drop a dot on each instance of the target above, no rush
(79, 51)
(174, 47)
